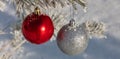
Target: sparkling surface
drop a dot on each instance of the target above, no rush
(37, 28)
(71, 41)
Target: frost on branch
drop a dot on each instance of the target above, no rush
(2, 6)
(10, 48)
(95, 29)
(24, 7)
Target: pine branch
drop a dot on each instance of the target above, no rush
(2, 5)
(95, 28)
(23, 7)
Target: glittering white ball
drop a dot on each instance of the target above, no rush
(72, 40)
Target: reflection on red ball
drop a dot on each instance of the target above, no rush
(37, 29)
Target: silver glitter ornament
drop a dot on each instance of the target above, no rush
(72, 39)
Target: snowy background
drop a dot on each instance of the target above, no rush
(107, 11)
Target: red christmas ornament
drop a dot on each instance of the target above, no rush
(37, 28)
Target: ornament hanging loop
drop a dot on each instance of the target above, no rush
(37, 11)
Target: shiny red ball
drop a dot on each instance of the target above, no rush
(37, 29)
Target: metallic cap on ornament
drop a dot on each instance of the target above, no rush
(37, 11)
(72, 25)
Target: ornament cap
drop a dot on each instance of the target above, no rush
(72, 25)
(72, 22)
(37, 11)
